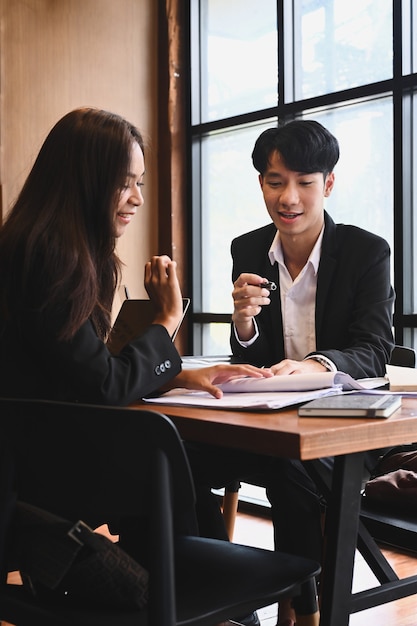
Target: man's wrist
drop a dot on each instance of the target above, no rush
(254, 334)
(323, 360)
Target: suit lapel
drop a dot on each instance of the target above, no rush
(326, 271)
(274, 310)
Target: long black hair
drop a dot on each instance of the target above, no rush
(57, 245)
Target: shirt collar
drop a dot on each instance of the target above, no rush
(276, 254)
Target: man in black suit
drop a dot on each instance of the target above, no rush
(330, 306)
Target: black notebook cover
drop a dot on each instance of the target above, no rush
(352, 405)
(133, 319)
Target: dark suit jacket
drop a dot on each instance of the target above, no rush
(354, 299)
(34, 364)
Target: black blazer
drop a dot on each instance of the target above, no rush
(34, 364)
(354, 300)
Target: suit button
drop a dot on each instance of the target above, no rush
(157, 370)
(167, 364)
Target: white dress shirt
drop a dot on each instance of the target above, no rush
(298, 301)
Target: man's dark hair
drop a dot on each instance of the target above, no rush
(305, 146)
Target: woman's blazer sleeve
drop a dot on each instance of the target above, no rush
(84, 370)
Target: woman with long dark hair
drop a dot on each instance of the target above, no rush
(59, 273)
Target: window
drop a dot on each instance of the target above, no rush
(238, 57)
(338, 45)
(350, 65)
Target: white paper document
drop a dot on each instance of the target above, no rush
(402, 379)
(292, 382)
(266, 393)
(255, 401)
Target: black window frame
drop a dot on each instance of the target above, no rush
(402, 87)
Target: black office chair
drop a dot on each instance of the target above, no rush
(91, 463)
(403, 356)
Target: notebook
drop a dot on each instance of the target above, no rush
(351, 405)
(134, 317)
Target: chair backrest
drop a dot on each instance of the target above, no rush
(122, 462)
(7, 496)
(107, 451)
(402, 356)
(91, 462)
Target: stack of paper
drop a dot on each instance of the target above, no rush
(292, 382)
(402, 378)
(265, 393)
(240, 401)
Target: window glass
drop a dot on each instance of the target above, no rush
(363, 191)
(410, 207)
(410, 337)
(339, 45)
(409, 25)
(413, 29)
(232, 204)
(238, 57)
(214, 339)
(411, 269)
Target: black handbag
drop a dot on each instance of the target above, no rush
(72, 563)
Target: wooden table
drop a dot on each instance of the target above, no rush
(282, 433)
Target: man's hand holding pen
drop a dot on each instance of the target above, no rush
(269, 284)
(250, 294)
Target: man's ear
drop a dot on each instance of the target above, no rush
(328, 184)
(261, 180)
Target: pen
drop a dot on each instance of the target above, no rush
(270, 285)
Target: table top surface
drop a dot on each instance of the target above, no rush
(283, 433)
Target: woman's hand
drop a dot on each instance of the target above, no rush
(162, 286)
(206, 378)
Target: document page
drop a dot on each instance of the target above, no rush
(402, 378)
(255, 401)
(276, 392)
(292, 382)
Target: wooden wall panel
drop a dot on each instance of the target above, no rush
(60, 54)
